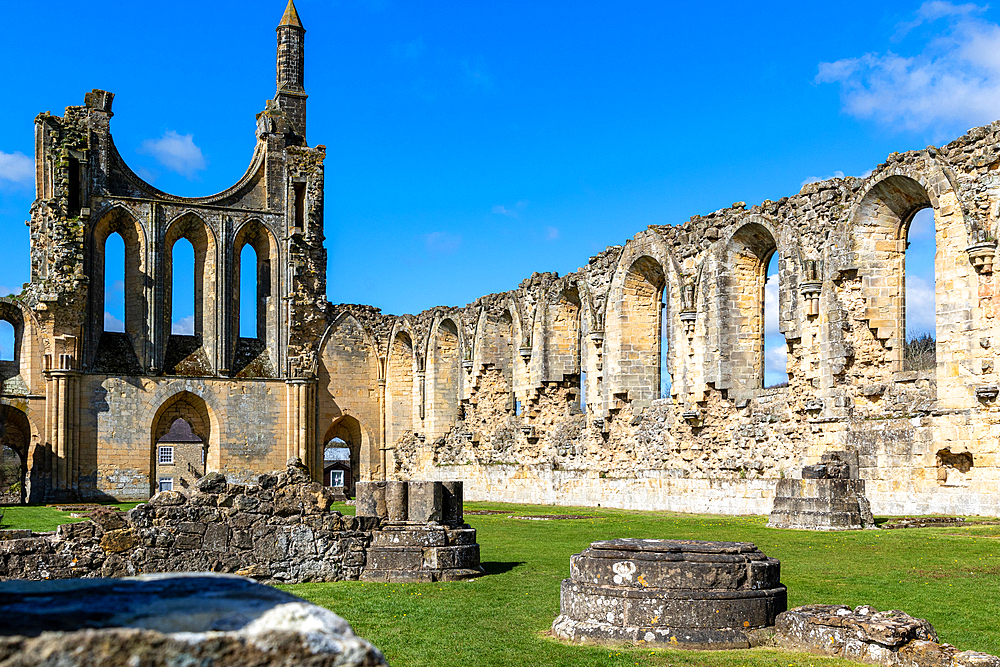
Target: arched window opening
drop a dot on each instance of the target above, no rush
(114, 283)
(664, 345)
(775, 349)
(7, 341)
(182, 306)
(919, 296)
(249, 325)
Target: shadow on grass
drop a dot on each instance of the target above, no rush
(500, 568)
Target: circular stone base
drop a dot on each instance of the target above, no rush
(679, 593)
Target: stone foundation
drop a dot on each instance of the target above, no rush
(682, 593)
(423, 536)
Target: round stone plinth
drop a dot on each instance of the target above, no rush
(680, 593)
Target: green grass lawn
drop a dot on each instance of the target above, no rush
(40, 518)
(948, 575)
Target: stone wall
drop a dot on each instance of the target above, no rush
(278, 530)
(597, 430)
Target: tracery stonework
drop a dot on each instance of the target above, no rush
(547, 393)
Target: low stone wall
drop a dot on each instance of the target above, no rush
(279, 530)
(889, 638)
(171, 620)
(643, 490)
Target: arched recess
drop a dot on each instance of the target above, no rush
(348, 430)
(494, 364)
(107, 351)
(632, 343)
(15, 434)
(880, 225)
(560, 339)
(186, 464)
(741, 332)
(443, 379)
(399, 388)
(194, 354)
(255, 357)
(348, 374)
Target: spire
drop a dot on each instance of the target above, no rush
(291, 17)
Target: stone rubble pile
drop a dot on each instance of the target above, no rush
(889, 638)
(278, 530)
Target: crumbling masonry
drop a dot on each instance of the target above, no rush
(546, 393)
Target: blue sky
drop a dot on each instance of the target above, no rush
(471, 144)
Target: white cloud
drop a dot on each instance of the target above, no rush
(954, 79)
(112, 323)
(817, 179)
(442, 243)
(17, 168)
(183, 326)
(771, 307)
(919, 305)
(6, 291)
(503, 210)
(922, 225)
(551, 233)
(176, 152)
(775, 365)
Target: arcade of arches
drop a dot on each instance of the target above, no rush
(638, 381)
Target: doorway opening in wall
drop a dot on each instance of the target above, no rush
(248, 292)
(775, 348)
(114, 283)
(180, 455)
(182, 290)
(7, 341)
(919, 296)
(664, 345)
(337, 464)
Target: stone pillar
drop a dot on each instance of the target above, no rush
(62, 428)
(300, 411)
(382, 427)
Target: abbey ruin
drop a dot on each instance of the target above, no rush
(548, 393)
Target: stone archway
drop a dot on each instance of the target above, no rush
(15, 435)
(181, 450)
(180, 457)
(345, 433)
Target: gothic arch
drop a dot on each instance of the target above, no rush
(121, 221)
(193, 228)
(632, 340)
(194, 410)
(443, 378)
(745, 257)
(254, 357)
